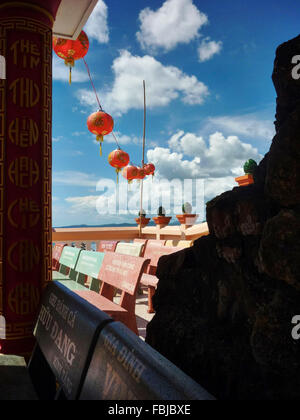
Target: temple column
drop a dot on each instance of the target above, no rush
(25, 166)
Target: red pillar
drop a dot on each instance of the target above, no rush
(25, 166)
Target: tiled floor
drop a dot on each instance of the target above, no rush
(142, 316)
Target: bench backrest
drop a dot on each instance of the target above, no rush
(107, 246)
(56, 254)
(69, 256)
(126, 248)
(141, 241)
(179, 243)
(66, 330)
(122, 272)
(124, 367)
(154, 252)
(89, 263)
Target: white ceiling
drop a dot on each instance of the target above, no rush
(71, 17)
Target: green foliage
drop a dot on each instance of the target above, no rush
(250, 166)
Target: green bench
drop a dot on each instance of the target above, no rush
(67, 263)
(88, 265)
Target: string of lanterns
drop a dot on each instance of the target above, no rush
(99, 123)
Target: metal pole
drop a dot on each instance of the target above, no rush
(143, 161)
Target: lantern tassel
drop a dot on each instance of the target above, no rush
(100, 139)
(117, 171)
(70, 76)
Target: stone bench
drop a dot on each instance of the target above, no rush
(87, 266)
(122, 272)
(127, 248)
(124, 367)
(66, 331)
(104, 246)
(56, 254)
(149, 280)
(67, 263)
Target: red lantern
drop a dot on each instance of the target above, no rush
(70, 50)
(118, 159)
(130, 173)
(149, 169)
(101, 124)
(141, 174)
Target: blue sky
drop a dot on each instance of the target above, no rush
(210, 98)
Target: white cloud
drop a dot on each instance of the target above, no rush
(74, 178)
(188, 156)
(249, 125)
(97, 26)
(163, 85)
(175, 22)
(207, 49)
(61, 72)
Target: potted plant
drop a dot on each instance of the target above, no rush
(142, 219)
(161, 219)
(247, 179)
(187, 218)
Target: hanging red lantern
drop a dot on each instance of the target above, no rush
(101, 124)
(130, 173)
(141, 174)
(118, 159)
(70, 50)
(149, 169)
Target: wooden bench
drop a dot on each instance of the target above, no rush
(122, 272)
(149, 279)
(104, 246)
(124, 367)
(127, 248)
(66, 332)
(56, 254)
(88, 265)
(67, 261)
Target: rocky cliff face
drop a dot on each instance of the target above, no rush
(224, 307)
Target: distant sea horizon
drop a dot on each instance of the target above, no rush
(175, 223)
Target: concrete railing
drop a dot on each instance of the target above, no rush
(91, 236)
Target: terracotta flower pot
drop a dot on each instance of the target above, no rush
(187, 219)
(162, 220)
(245, 180)
(145, 221)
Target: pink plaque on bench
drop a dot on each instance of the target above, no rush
(154, 252)
(107, 246)
(56, 254)
(122, 271)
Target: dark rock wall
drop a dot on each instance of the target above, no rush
(224, 307)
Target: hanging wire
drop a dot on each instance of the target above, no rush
(116, 139)
(97, 98)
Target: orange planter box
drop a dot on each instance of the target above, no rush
(145, 221)
(187, 219)
(162, 220)
(245, 180)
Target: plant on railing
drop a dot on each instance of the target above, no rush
(250, 167)
(142, 213)
(187, 208)
(161, 211)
